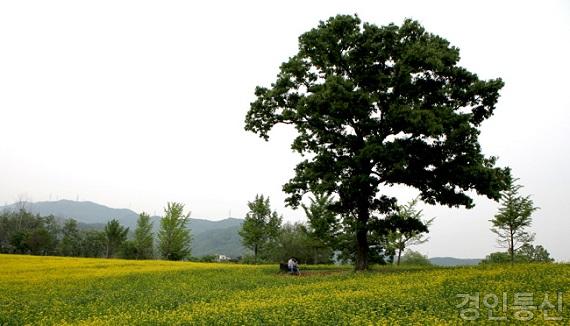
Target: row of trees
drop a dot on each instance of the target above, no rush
(25, 233)
(325, 236)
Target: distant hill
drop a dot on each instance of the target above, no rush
(209, 237)
(216, 241)
(450, 261)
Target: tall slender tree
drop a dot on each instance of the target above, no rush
(70, 244)
(144, 239)
(174, 235)
(323, 224)
(115, 234)
(261, 225)
(514, 217)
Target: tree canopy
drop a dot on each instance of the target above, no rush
(115, 235)
(527, 253)
(174, 236)
(260, 227)
(514, 217)
(143, 241)
(406, 228)
(378, 106)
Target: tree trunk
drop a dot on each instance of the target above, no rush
(399, 255)
(512, 247)
(255, 253)
(362, 240)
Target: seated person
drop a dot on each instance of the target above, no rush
(293, 266)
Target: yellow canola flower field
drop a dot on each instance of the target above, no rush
(84, 291)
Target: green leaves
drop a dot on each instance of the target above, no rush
(513, 218)
(174, 236)
(143, 241)
(115, 235)
(377, 106)
(261, 225)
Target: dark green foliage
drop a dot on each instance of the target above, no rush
(53, 228)
(324, 224)
(39, 241)
(143, 242)
(415, 258)
(260, 228)
(128, 250)
(406, 228)
(377, 106)
(378, 250)
(208, 259)
(71, 241)
(525, 254)
(23, 232)
(295, 240)
(94, 244)
(513, 219)
(174, 235)
(115, 235)
(18, 230)
(531, 253)
(18, 242)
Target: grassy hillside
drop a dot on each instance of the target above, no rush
(49, 290)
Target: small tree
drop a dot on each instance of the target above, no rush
(71, 241)
(512, 220)
(128, 250)
(115, 234)
(143, 242)
(93, 244)
(295, 240)
(174, 236)
(415, 258)
(323, 222)
(38, 241)
(407, 228)
(260, 227)
(54, 230)
(531, 253)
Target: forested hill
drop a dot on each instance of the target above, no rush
(209, 237)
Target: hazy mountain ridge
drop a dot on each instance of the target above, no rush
(209, 237)
(451, 261)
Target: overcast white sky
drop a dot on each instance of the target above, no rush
(136, 103)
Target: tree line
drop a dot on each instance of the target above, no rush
(325, 237)
(22, 232)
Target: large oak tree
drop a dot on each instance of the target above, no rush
(378, 106)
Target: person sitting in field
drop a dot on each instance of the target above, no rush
(293, 266)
